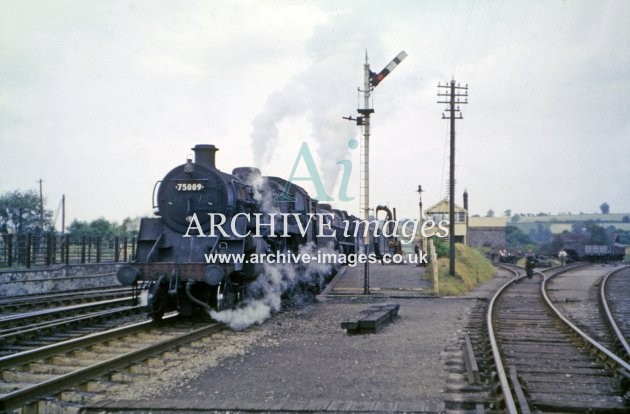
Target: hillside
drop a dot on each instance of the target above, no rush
(559, 222)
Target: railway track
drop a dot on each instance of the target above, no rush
(10, 322)
(23, 303)
(27, 377)
(615, 295)
(577, 295)
(19, 332)
(546, 361)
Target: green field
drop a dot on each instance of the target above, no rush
(561, 222)
(559, 218)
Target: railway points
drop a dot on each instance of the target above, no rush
(431, 358)
(551, 364)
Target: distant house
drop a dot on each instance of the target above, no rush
(487, 232)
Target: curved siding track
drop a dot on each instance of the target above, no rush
(576, 295)
(548, 368)
(615, 293)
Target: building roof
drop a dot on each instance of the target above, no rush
(487, 221)
(442, 207)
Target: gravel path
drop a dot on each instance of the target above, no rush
(304, 356)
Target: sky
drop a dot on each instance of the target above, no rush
(100, 99)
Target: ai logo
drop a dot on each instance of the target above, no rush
(314, 177)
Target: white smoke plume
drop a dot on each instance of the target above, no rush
(324, 92)
(267, 290)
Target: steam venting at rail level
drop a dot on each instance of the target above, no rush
(265, 294)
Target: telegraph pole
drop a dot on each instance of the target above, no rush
(370, 81)
(41, 205)
(63, 214)
(455, 94)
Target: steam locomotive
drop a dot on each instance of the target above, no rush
(172, 247)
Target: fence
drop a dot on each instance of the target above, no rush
(26, 250)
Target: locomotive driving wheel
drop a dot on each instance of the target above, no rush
(223, 296)
(157, 300)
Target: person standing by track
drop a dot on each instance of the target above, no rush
(530, 263)
(562, 256)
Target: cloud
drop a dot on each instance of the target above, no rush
(96, 97)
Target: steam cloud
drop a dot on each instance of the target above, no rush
(267, 290)
(324, 92)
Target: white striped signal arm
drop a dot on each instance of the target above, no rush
(375, 79)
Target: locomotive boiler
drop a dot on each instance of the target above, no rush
(174, 246)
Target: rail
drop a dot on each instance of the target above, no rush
(31, 330)
(589, 341)
(609, 315)
(34, 299)
(508, 395)
(22, 317)
(23, 396)
(510, 405)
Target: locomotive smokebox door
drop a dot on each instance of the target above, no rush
(213, 275)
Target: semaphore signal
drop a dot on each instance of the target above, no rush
(370, 81)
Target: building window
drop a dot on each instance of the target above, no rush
(437, 217)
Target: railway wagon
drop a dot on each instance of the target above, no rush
(614, 252)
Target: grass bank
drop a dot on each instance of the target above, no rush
(471, 268)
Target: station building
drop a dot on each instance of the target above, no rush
(471, 231)
(440, 211)
(487, 232)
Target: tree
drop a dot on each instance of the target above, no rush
(541, 234)
(130, 226)
(508, 213)
(78, 227)
(515, 237)
(623, 236)
(490, 213)
(605, 208)
(20, 213)
(102, 227)
(591, 232)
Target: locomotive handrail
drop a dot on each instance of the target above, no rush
(153, 196)
(152, 251)
(216, 244)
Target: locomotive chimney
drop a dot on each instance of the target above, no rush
(465, 200)
(204, 155)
